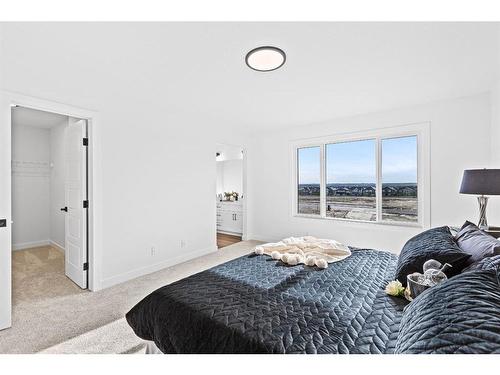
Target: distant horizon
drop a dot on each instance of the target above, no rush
(360, 183)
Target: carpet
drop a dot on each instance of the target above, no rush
(83, 322)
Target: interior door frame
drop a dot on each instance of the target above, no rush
(244, 206)
(7, 101)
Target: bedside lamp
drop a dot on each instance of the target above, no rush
(481, 182)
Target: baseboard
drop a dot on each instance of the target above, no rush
(57, 246)
(230, 233)
(129, 275)
(27, 245)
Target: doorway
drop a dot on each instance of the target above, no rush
(49, 204)
(8, 100)
(230, 194)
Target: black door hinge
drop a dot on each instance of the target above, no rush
(85, 204)
(85, 141)
(85, 266)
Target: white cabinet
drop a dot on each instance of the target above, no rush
(229, 217)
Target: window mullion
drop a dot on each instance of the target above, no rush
(322, 185)
(378, 189)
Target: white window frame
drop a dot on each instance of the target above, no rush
(420, 130)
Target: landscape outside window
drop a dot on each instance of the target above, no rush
(351, 170)
(399, 179)
(309, 175)
(351, 180)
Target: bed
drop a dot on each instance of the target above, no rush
(254, 304)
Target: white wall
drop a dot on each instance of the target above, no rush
(228, 152)
(57, 198)
(493, 209)
(495, 125)
(460, 139)
(30, 186)
(219, 185)
(158, 169)
(230, 176)
(233, 175)
(37, 186)
(495, 114)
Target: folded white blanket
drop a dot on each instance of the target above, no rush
(306, 250)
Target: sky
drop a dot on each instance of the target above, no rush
(354, 162)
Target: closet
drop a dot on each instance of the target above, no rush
(37, 179)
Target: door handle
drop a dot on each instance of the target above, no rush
(65, 209)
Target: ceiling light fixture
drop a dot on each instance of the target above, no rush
(265, 59)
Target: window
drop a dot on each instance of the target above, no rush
(399, 179)
(309, 176)
(375, 177)
(351, 171)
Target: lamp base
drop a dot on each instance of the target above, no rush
(483, 202)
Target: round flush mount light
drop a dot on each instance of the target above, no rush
(265, 59)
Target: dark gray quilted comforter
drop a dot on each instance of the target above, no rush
(256, 305)
(461, 315)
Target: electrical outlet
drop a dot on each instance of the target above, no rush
(183, 243)
(153, 251)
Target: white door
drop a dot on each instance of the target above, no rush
(75, 191)
(5, 215)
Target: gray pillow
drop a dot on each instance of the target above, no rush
(478, 244)
(490, 263)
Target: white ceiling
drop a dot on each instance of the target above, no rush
(332, 69)
(32, 117)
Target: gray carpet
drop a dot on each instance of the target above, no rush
(113, 338)
(93, 322)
